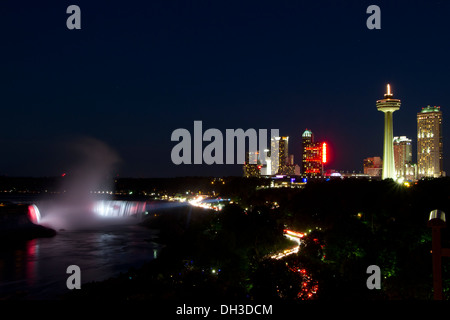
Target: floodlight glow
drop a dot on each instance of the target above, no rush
(34, 214)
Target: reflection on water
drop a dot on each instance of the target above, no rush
(36, 269)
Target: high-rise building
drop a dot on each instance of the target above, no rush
(252, 165)
(291, 160)
(411, 171)
(314, 154)
(274, 154)
(288, 168)
(402, 155)
(429, 142)
(266, 169)
(266, 163)
(280, 154)
(388, 105)
(307, 142)
(373, 166)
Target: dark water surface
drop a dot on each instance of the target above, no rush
(36, 269)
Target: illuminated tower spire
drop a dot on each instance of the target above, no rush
(388, 105)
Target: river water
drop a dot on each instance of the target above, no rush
(37, 269)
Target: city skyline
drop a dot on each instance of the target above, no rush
(133, 74)
(243, 154)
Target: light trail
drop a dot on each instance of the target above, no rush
(309, 287)
(200, 201)
(285, 253)
(291, 235)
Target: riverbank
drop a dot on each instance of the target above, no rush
(26, 233)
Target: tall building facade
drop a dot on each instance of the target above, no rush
(266, 169)
(252, 165)
(411, 171)
(307, 141)
(429, 143)
(314, 155)
(388, 106)
(402, 155)
(281, 161)
(373, 166)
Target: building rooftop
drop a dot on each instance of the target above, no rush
(307, 133)
(430, 109)
(402, 139)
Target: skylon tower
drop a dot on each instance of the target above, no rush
(388, 105)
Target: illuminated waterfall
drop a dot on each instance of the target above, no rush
(114, 208)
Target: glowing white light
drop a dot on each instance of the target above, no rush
(34, 213)
(285, 253)
(336, 174)
(106, 208)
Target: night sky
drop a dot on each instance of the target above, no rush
(138, 70)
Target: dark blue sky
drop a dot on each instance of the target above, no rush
(137, 70)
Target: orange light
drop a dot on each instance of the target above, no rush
(294, 234)
(324, 152)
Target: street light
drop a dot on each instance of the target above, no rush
(436, 222)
